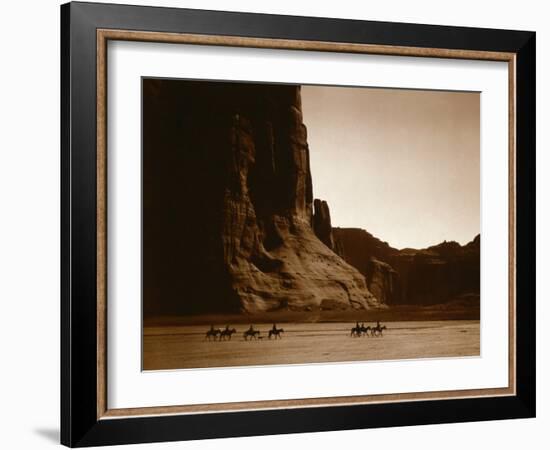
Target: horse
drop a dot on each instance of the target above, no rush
(355, 331)
(364, 329)
(213, 333)
(251, 333)
(275, 332)
(227, 333)
(377, 330)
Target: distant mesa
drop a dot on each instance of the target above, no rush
(437, 274)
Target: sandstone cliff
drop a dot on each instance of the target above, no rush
(438, 274)
(322, 225)
(383, 281)
(228, 222)
(443, 272)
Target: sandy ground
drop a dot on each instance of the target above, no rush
(177, 347)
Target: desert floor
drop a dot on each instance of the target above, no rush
(185, 346)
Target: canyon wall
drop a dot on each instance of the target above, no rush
(437, 274)
(228, 210)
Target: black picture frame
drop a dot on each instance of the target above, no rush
(80, 425)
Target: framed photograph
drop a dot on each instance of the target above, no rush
(278, 224)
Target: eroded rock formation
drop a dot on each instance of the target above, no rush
(438, 274)
(383, 281)
(228, 206)
(322, 225)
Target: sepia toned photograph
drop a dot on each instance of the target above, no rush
(280, 224)
(301, 224)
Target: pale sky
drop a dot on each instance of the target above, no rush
(402, 164)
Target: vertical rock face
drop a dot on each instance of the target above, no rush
(228, 205)
(358, 246)
(383, 281)
(437, 274)
(322, 224)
